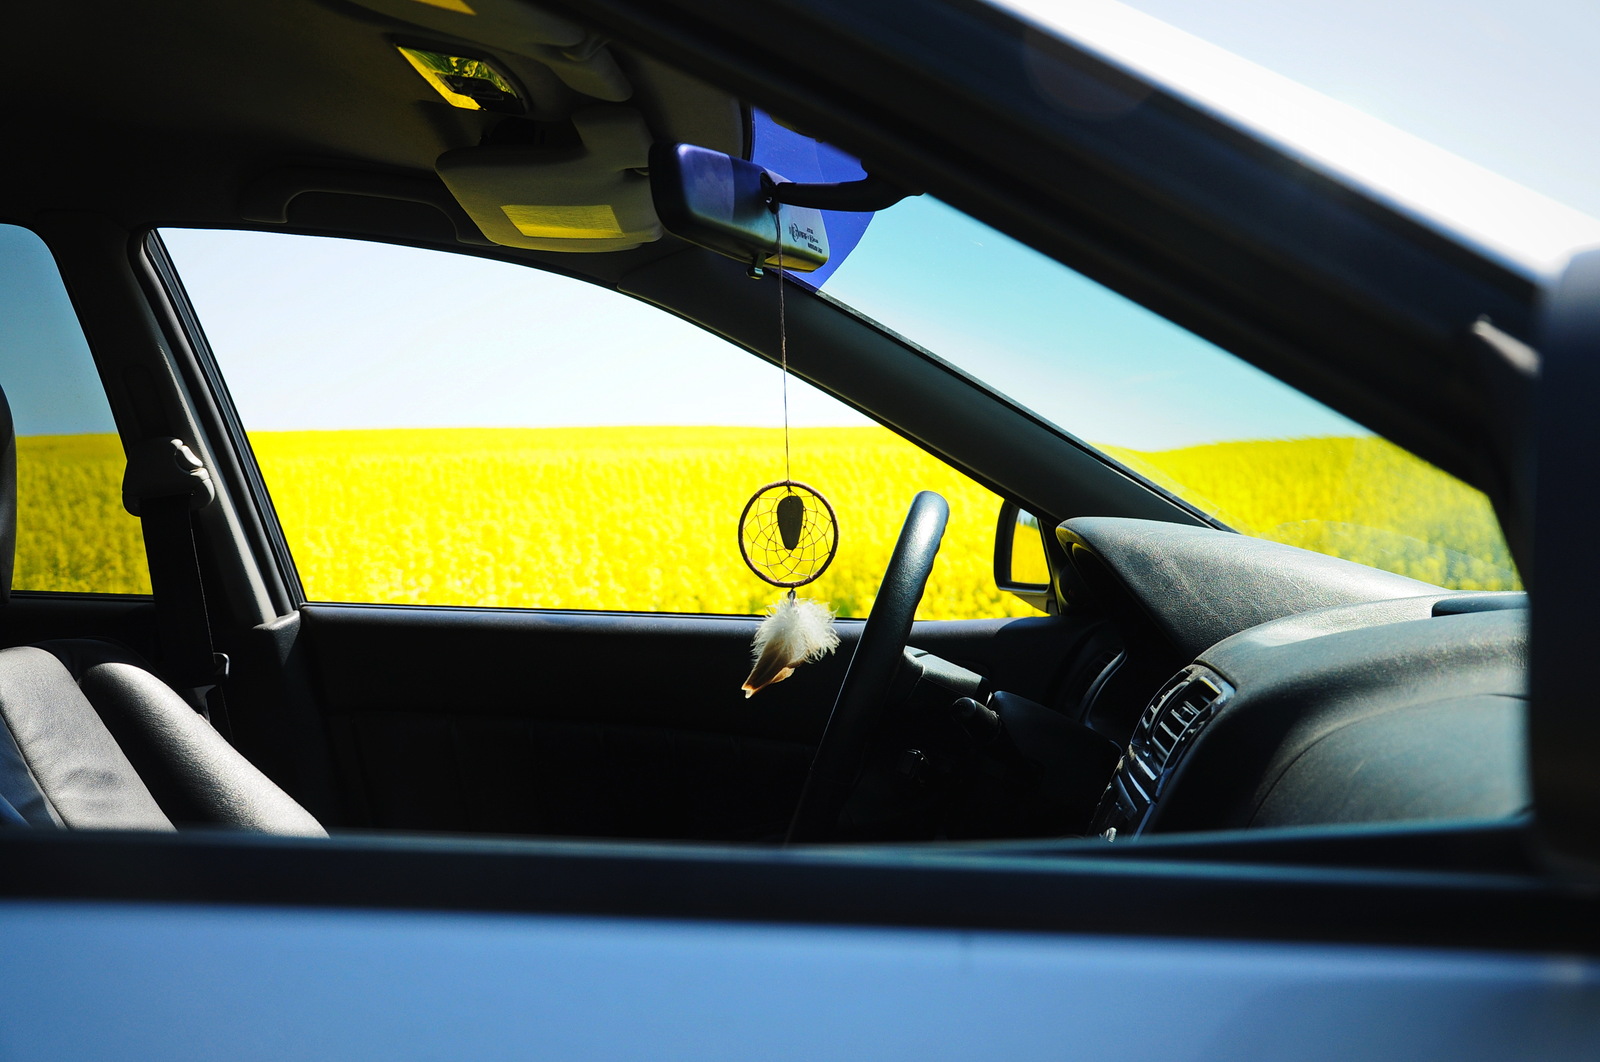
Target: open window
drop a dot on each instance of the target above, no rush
(438, 429)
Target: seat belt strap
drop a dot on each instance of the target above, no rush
(164, 486)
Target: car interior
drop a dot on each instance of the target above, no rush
(1196, 733)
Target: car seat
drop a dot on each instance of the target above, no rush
(91, 738)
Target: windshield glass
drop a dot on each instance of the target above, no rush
(1236, 444)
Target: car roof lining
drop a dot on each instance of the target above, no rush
(197, 107)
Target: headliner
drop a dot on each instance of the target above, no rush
(190, 112)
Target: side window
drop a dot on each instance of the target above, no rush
(443, 430)
(72, 532)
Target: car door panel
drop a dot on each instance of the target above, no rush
(595, 724)
(34, 617)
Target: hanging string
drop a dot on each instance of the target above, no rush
(783, 337)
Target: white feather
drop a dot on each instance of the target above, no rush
(795, 632)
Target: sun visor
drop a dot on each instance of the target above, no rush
(578, 57)
(591, 198)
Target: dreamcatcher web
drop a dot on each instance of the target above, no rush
(787, 533)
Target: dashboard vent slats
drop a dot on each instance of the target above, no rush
(1166, 729)
(1172, 717)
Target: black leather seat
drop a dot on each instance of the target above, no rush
(91, 738)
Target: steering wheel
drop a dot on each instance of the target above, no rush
(860, 703)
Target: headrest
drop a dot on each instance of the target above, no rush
(8, 498)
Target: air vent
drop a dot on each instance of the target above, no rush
(1170, 724)
(1177, 715)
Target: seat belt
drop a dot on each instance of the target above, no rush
(165, 484)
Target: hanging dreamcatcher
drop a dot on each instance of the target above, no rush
(788, 536)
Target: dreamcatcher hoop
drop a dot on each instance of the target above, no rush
(788, 534)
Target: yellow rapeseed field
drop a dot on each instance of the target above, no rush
(1364, 499)
(72, 532)
(644, 518)
(606, 518)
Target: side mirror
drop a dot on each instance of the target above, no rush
(720, 203)
(1021, 560)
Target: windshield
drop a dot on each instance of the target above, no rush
(1242, 448)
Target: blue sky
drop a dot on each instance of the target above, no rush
(322, 333)
(1094, 363)
(45, 366)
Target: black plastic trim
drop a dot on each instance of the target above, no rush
(1563, 726)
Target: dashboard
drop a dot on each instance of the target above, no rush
(1300, 689)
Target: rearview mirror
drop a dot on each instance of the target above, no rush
(721, 203)
(1021, 561)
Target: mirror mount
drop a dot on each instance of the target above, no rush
(868, 194)
(727, 205)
